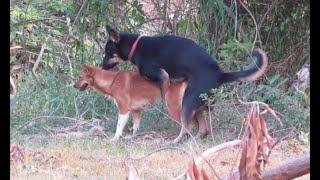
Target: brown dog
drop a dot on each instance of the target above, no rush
(133, 93)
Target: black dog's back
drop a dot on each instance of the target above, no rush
(180, 57)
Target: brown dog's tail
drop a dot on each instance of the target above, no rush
(259, 67)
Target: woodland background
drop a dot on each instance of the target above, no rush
(51, 40)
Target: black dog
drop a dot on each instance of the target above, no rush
(181, 58)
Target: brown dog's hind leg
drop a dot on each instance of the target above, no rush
(203, 123)
(164, 82)
(136, 121)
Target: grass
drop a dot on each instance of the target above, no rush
(94, 158)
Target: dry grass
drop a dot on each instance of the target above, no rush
(94, 158)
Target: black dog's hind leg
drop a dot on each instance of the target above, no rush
(160, 76)
(190, 103)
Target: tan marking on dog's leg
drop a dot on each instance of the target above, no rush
(136, 121)
(165, 82)
(203, 124)
(122, 121)
(186, 127)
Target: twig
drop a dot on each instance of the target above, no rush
(35, 66)
(35, 20)
(41, 117)
(46, 160)
(239, 115)
(235, 20)
(147, 21)
(25, 15)
(255, 23)
(210, 124)
(189, 133)
(70, 128)
(220, 147)
(14, 89)
(266, 106)
(56, 117)
(15, 47)
(242, 126)
(76, 107)
(210, 165)
(75, 20)
(161, 149)
(265, 14)
(280, 140)
(70, 67)
(139, 10)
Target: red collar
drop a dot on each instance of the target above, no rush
(133, 48)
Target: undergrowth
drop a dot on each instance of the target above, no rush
(48, 91)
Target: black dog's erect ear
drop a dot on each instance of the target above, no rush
(113, 34)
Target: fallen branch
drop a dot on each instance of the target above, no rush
(210, 152)
(289, 169)
(78, 120)
(40, 117)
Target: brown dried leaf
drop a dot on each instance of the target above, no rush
(133, 173)
(194, 173)
(249, 166)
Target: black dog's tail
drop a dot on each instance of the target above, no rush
(259, 66)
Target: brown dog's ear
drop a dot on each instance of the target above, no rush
(113, 34)
(86, 69)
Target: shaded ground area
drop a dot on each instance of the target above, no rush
(95, 158)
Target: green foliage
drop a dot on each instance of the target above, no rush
(283, 34)
(58, 6)
(233, 53)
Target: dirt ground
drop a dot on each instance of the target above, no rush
(85, 157)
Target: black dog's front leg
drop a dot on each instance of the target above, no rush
(159, 75)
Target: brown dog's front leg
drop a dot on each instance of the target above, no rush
(122, 121)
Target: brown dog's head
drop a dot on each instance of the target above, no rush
(85, 78)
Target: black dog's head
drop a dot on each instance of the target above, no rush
(112, 52)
